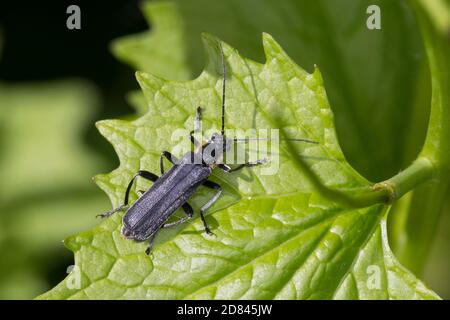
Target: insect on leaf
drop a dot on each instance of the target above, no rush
(276, 236)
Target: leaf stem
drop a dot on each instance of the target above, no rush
(416, 228)
(384, 192)
(418, 172)
(434, 160)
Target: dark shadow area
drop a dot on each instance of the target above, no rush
(37, 46)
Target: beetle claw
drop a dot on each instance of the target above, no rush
(110, 213)
(103, 215)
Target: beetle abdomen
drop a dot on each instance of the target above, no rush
(167, 194)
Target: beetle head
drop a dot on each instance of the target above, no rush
(215, 147)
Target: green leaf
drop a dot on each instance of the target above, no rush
(161, 51)
(276, 236)
(439, 12)
(416, 229)
(164, 44)
(46, 192)
(377, 80)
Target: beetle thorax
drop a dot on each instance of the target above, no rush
(214, 149)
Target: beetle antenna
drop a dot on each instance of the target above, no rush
(268, 139)
(224, 73)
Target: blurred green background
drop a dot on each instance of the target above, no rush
(55, 83)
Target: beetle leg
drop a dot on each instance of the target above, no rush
(193, 140)
(168, 156)
(197, 127)
(110, 213)
(224, 167)
(198, 120)
(228, 169)
(150, 244)
(141, 173)
(210, 202)
(189, 213)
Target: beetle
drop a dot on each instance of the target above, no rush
(172, 190)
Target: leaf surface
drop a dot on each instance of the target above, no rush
(276, 237)
(377, 80)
